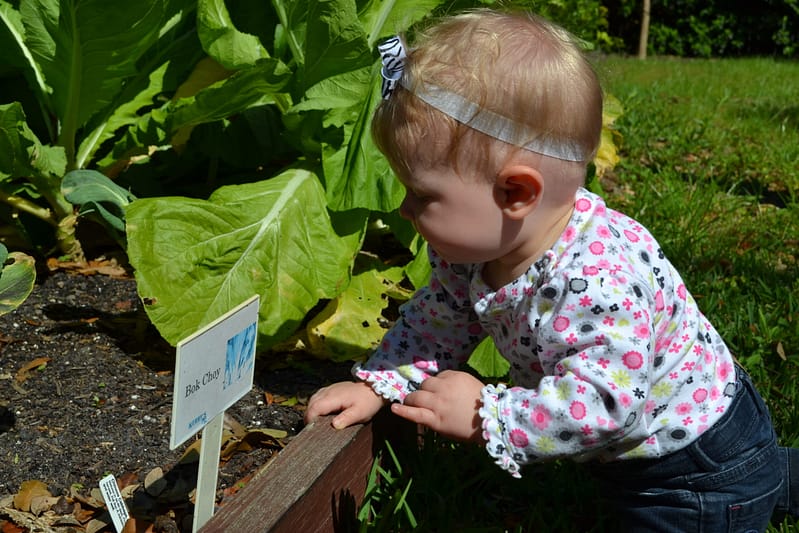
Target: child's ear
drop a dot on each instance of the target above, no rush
(519, 190)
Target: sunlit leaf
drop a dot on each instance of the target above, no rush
(352, 323)
(220, 38)
(335, 41)
(197, 259)
(607, 155)
(16, 280)
(487, 361)
(86, 48)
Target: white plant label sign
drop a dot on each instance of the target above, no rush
(214, 369)
(114, 502)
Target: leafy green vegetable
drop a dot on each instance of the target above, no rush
(23, 154)
(16, 279)
(353, 322)
(232, 48)
(99, 198)
(91, 66)
(196, 259)
(321, 79)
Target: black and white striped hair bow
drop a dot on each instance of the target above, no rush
(392, 53)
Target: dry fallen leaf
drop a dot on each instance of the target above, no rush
(129, 490)
(83, 515)
(106, 267)
(29, 490)
(66, 521)
(27, 521)
(40, 504)
(10, 527)
(234, 426)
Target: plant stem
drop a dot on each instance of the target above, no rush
(29, 207)
(296, 49)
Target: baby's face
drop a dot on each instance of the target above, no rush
(458, 214)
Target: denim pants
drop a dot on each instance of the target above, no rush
(731, 479)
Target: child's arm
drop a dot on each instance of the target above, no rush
(436, 331)
(356, 402)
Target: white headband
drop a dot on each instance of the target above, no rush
(498, 126)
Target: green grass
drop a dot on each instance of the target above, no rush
(710, 164)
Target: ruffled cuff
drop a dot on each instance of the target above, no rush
(390, 389)
(492, 429)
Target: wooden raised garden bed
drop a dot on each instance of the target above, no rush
(316, 483)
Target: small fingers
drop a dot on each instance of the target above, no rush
(317, 406)
(346, 418)
(420, 398)
(417, 415)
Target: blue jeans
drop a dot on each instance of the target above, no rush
(731, 479)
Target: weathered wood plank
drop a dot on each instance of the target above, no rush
(316, 483)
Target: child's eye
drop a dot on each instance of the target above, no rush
(417, 195)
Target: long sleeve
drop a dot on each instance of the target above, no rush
(437, 330)
(610, 356)
(593, 349)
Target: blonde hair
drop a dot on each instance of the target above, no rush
(517, 65)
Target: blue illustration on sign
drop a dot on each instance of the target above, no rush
(240, 355)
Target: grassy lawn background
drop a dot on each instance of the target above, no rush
(710, 152)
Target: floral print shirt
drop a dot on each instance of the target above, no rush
(610, 356)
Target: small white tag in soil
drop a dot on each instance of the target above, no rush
(114, 502)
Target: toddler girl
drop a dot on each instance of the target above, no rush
(489, 122)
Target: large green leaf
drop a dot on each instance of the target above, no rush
(353, 322)
(15, 50)
(16, 279)
(196, 259)
(220, 38)
(86, 49)
(335, 41)
(123, 115)
(23, 155)
(384, 18)
(356, 173)
(251, 87)
(258, 85)
(339, 94)
(159, 72)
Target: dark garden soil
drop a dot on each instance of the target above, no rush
(86, 391)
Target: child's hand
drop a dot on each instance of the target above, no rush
(448, 404)
(356, 401)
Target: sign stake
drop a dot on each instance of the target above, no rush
(208, 472)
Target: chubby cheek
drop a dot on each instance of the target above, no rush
(460, 241)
